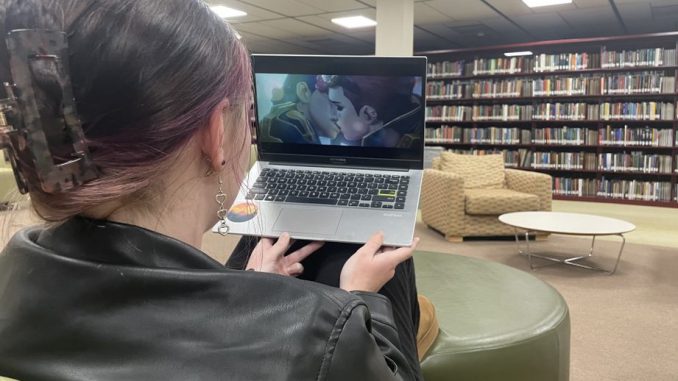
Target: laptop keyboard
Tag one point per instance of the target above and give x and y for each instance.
(331, 188)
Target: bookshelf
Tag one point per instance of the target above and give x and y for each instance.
(598, 114)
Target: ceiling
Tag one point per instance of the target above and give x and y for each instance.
(303, 26)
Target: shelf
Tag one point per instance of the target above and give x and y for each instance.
(553, 121)
(602, 148)
(666, 204)
(548, 98)
(559, 72)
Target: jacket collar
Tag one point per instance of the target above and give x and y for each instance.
(121, 244)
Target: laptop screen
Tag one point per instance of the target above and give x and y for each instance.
(363, 111)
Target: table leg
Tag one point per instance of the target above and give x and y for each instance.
(572, 261)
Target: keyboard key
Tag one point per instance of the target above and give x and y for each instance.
(399, 205)
(334, 195)
(313, 194)
(355, 197)
(366, 197)
(387, 206)
(402, 187)
(345, 196)
(270, 198)
(260, 197)
(383, 198)
(353, 203)
(324, 195)
(279, 198)
(308, 200)
(402, 193)
(364, 205)
(376, 204)
(400, 199)
(343, 202)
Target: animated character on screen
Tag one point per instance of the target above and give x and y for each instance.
(375, 111)
(300, 113)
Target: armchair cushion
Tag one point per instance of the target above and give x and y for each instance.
(499, 201)
(484, 171)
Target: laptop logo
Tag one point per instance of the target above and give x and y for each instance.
(338, 160)
(392, 215)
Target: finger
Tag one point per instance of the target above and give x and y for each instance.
(404, 253)
(266, 243)
(302, 253)
(281, 246)
(373, 244)
(295, 269)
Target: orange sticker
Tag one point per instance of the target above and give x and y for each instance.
(242, 212)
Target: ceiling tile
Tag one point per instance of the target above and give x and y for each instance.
(593, 21)
(424, 14)
(294, 27)
(472, 10)
(285, 7)
(591, 4)
(335, 5)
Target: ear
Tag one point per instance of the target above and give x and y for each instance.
(212, 137)
(368, 114)
(303, 92)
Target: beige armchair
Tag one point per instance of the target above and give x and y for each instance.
(462, 195)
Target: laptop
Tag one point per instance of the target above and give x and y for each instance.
(340, 142)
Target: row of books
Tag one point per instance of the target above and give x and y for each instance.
(564, 160)
(647, 83)
(501, 65)
(445, 69)
(633, 136)
(637, 110)
(653, 57)
(638, 57)
(565, 61)
(619, 189)
(625, 162)
(554, 111)
(635, 161)
(575, 136)
(478, 135)
(512, 158)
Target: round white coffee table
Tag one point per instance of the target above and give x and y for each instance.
(567, 224)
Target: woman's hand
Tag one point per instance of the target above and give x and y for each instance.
(373, 265)
(269, 256)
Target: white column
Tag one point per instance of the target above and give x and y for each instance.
(395, 28)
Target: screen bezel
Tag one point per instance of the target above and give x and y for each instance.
(410, 158)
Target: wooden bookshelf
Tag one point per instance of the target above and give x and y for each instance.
(649, 85)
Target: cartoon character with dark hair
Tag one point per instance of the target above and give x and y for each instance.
(300, 113)
(375, 111)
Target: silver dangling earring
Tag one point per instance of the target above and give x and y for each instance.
(223, 227)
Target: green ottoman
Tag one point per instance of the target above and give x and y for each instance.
(496, 322)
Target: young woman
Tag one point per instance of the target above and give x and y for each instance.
(115, 286)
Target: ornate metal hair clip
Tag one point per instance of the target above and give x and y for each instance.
(41, 131)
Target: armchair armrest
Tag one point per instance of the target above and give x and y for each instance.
(535, 183)
(442, 202)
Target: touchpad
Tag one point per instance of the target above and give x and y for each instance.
(309, 221)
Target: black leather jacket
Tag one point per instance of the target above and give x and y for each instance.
(95, 300)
